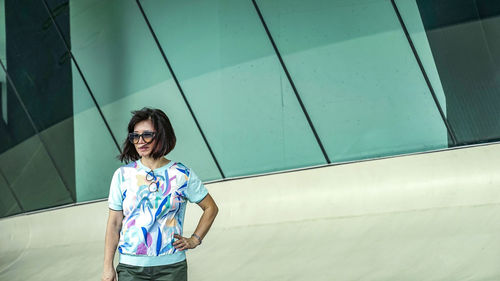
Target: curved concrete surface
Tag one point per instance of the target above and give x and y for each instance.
(432, 216)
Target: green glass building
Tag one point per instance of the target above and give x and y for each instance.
(251, 87)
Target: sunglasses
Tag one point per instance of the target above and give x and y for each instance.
(154, 184)
(147, 137)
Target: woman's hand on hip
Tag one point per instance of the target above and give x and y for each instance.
(183, 243)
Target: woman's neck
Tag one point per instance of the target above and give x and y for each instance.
(154, 163)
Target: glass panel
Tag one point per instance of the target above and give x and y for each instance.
(368, 97)
(413, 21)
(41, 168)
(235, 84)
(124, 68)
(463, 36)
(27, 170)
(33, 177)
(2, 32)
(3, 58)
(36, 167)
(8, 203)
(95, 151)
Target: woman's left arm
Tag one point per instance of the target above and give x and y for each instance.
(210, 211)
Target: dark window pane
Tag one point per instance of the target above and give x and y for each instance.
(464, 38)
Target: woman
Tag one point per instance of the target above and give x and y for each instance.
(147, 202)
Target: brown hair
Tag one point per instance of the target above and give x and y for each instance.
(165, 136)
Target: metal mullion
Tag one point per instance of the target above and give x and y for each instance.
(181, 91)
(422, 69)
(12, 191)
(66, 45)
(292, 84)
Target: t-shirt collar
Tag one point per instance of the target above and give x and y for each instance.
(166, 166)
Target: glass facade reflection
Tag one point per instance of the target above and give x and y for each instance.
(352, 64)
(73, 70)
(466, 49)
(227, 67)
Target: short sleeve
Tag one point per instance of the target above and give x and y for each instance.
(115, 198)
(195, 190)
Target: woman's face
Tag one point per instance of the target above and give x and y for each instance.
(143, 148)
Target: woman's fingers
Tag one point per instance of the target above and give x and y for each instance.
(179, 240)
(185, 247)
(182, 243)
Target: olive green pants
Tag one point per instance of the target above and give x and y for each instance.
(171, 272)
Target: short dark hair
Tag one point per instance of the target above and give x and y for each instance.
(165, 136)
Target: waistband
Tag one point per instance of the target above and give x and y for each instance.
(153, 260)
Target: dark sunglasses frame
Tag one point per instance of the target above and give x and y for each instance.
(150, 176)
(135, 137)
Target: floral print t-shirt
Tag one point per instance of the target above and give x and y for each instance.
(150, 219)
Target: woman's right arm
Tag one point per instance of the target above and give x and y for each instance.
(110, 243)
